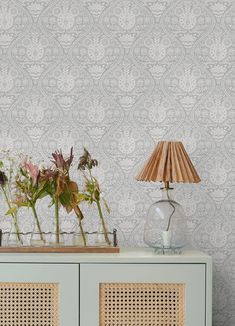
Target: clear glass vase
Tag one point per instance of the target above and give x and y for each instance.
(100, 237)
(37, 238)
(166, 226)
(79, 239)
(14, 239)
(56, 240)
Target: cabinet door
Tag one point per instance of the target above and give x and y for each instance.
(39, 294)
(142, 294)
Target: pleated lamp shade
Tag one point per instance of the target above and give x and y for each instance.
(169, 162)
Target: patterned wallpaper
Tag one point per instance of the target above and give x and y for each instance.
(117, 76)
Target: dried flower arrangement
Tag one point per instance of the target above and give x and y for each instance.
(28, 183)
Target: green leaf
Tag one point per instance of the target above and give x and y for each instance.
(41, 192)
(97, 194)
(65, 198)
(23, 204)
(49, 189)
(81, 197)
(11, 211)
(51, 203)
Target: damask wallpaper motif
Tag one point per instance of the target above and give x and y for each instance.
(116, 77)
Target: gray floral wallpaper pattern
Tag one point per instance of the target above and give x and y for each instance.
(116, 77)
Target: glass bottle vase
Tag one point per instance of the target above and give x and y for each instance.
(15, 238)
(79, 239)
(37, 238)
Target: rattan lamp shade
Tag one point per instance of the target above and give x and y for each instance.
(169, 162)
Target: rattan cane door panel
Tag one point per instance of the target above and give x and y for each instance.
(29, 304)
(103, 288)
(142, 304)
(39, 294)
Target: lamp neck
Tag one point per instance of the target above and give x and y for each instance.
(167, 186)
(166, 193)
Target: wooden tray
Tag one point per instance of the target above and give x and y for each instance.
(67, 249)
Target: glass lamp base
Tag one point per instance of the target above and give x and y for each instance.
(166, 227)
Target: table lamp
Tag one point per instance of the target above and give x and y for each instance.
(166, 226)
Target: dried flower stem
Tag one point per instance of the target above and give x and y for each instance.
(100, 213)
(97, 201)
(103, 223)
(81, 228)
(14, 217)
(37, 220)
(86, 163)
(57, 220)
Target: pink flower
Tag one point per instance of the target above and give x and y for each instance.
(47, 174)
(31, 169)
(60, 162)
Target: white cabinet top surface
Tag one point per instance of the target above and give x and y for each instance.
(126, 255)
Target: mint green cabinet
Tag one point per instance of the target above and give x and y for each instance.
(133, 288)
(39, 294)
